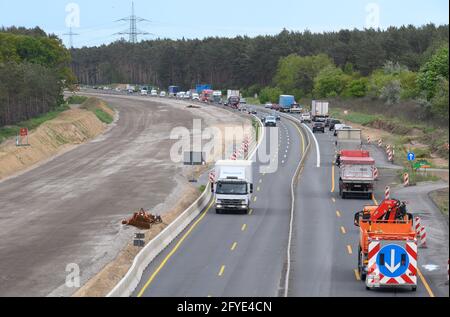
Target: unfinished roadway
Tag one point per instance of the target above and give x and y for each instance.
(69, 210)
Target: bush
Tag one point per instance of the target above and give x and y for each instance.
(391, 92)
(270, 94)
(356, 88)
(436, 67)
(330, 82)
(76, 100)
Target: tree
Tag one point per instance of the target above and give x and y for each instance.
(330, 82)
(431, 72)
(270, 94)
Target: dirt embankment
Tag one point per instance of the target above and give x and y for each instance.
(54, 137)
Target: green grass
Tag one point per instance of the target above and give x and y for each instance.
(10, 131)
(253, 101)
(103, 116)
(441, 199)
(356, 117)
(76, 100)
(202, 188)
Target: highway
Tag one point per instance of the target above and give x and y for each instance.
(234, 255)
(231, 255)
(69, 210)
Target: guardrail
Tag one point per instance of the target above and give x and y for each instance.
(130, 281)
(128, 284)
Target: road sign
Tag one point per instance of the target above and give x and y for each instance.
(393, 260)
(23, 132)
(422, 164)
(411, 156)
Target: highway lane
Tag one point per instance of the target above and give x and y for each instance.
(234, 255)
(326, 241)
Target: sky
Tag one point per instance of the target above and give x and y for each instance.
(95, 21)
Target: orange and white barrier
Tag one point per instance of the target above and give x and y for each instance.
(423, 237)
(375, 173)
(380, 143)
(406, 179)
(387, 193)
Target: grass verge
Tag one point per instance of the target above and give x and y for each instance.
(13, 130)
(440, 198)
(76, 100)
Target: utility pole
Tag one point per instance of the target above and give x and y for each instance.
(71, 34)
(133, 31)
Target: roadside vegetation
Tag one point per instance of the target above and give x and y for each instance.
(441, 198)
(34, 70)
(103, 112)
(13, 130)
(76, 100)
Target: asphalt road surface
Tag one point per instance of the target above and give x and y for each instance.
(234, 255)
(326, 241)
(69, 210)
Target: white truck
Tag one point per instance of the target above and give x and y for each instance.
(233, 93)
(319, 110)
(233, 186)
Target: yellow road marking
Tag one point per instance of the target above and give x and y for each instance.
(254, 199)
(358, 278)
(424, 281)
(338, 213)
(177, 246)
(349, 249)
(244, 226)
(333, 199)
(222, 269)
(260, 181)
(332, 179)
(250, 211)
(343, 230)
(303, 138)
(258, 189)
(233, 247)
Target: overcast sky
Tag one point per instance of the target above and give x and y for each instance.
(202, 18)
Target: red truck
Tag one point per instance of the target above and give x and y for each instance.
(356, 173)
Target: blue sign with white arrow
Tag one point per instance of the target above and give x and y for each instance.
(411, 156)
(393, 260)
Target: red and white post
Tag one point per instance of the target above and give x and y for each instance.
(380, 143)
(423, 237)
(369, 141)
(387, 193)
(418, 226)
(406, 179)
(375, 173)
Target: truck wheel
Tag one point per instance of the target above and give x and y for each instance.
(218, 211)
(367, 288)
(414, 288)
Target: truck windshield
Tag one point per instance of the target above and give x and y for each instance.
(231, 188)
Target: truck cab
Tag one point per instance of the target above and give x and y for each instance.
(233, 187)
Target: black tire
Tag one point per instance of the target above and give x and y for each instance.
(218, 211)
(414, 288)
(367, 288)
(362, 274)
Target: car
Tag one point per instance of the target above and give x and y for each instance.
(268, 105)
(270, 121)
(195, 97)
(154, 93)
(252, 111)
(305, 117)
(162, 94)
(318, 126)
(333, 122)
(338, 127)
(275, 107)
(144, 92)
(243, 101)
(278, 117)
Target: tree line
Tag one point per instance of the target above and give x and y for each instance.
(242, 62)
(34, 69)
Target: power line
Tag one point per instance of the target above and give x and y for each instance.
(71, 35)
(133, 31)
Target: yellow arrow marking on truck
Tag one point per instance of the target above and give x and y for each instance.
(177, 246)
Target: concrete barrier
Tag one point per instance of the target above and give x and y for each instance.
(130, 281)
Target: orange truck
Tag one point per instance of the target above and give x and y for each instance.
(387, 254)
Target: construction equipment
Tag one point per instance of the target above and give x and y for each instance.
(142, 220)
(387, 254)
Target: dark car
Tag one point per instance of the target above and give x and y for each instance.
(327, 122)
(276, 107)
(333, 122)
(319, 126)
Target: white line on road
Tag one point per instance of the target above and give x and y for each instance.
(317, 144)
